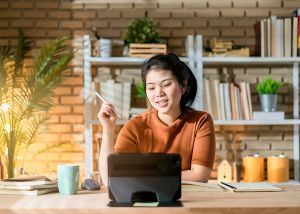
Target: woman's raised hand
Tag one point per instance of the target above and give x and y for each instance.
(107, 115)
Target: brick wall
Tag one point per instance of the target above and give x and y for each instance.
(227, 19)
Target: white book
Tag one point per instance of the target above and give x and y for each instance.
(227, 100)
(274, 51)
(207, 95)
(249, 187)
(222, 102)
(118, 97)
(261, 115)
(249, 99)
(27, 192)
(28, 187)
(126, 99)
(279, 38)
(27, 181)
(287, 37)
(269, 38)
(262, 38)
(295, 37)
(216, 99)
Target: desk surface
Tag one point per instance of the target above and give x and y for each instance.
(287, 201)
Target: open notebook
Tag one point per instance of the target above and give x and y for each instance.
(249, 187)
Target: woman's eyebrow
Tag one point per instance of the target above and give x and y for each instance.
(152, 83)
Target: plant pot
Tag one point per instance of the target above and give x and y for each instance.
(268, 102)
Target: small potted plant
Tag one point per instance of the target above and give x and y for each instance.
(142, 35)
(268, 90)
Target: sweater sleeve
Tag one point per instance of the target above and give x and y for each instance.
(205, 143)
(128, 137)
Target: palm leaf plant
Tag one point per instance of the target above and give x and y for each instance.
(26, 93)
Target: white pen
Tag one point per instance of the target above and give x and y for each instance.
(105, 102)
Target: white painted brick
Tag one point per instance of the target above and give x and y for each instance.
(232, 13)
(257, 12)
(183, 14)
(192, 4)
(203, 13)
(243, 4)
(259, 71)
(219, 22)
(270, 136)
(269, 3)
(284, 71)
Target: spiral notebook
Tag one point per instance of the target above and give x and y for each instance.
(249, 187)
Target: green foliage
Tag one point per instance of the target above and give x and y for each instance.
(26, 93)
(268, 86)
(140, 89)
(142, 31)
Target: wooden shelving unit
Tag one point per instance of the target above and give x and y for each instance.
(196, 62)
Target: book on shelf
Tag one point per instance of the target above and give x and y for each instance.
(27, 192)
(296, 14)
(261, 115)
(249, 187)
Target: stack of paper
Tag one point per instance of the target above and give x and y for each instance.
(34, 185)
(192, 186)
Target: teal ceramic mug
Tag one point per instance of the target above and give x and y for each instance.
(68, 179)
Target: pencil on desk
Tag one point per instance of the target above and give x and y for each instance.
(105, 102)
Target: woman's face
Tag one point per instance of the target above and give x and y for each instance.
(163, 91)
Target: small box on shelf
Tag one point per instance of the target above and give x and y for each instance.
(274, 115)
(146, 50)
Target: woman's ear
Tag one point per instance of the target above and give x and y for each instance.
(183, 87)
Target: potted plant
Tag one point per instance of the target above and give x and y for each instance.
(268, 90)
(143, 31)
(26, 93)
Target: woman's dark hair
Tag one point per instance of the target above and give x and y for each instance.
(179, 69)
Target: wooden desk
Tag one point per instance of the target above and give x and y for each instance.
(287, 201)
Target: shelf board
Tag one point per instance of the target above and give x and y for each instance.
(258, 122)
(250, 60)
(121, 60)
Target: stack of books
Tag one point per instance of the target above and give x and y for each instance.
(34, 185)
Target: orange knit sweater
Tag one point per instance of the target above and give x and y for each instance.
(191, 135)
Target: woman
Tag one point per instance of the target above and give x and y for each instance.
(169, 126)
